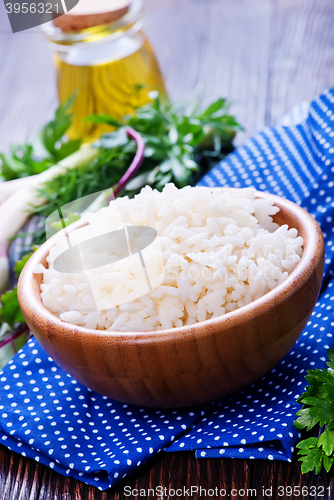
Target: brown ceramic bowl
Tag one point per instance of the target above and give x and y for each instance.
(192, 364)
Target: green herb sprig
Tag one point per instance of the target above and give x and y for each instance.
(48, 148)
(101, 173)
(12, 321)
(175, 135)
(318, 409)
(10, 312)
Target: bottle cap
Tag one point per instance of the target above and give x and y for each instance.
(90, 13)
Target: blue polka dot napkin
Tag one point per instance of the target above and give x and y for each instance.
(50, 417)
(296, 162)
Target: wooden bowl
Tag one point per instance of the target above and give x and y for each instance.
(193, 364)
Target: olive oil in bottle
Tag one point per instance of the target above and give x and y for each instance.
(110, 68)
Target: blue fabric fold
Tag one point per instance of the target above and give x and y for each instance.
(48, 416)
(295, 162)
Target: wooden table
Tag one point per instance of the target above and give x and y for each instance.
(266, 55)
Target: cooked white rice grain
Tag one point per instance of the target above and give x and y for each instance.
(219, 251)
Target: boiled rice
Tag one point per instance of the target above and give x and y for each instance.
(220, 251)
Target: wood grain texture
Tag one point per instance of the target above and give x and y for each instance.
(258, 479)
(224, 46)
(27, 83)
(267, 55)
(302, 54)
(194, 364)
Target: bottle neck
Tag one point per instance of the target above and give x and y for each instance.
(129, 24)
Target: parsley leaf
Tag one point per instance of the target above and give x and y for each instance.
(48, 148)
(10, 311)
(318, 408)
(21, 263)
(311, 458)
(177, 139)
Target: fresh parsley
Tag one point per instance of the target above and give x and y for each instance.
(98, 174)
(10, 312)
(318, 409)
(48, 148)
(179, 139)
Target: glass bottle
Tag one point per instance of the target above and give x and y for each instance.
(110, 68)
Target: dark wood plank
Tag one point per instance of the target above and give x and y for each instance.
(173, 472)
(4, 468)
(9, 481)
(282, 479)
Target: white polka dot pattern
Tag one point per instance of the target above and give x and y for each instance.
(48, 416)
(296, 162)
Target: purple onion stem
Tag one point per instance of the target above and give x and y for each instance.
(23, 329)
(136, 162)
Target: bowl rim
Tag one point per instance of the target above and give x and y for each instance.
(311, 254)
